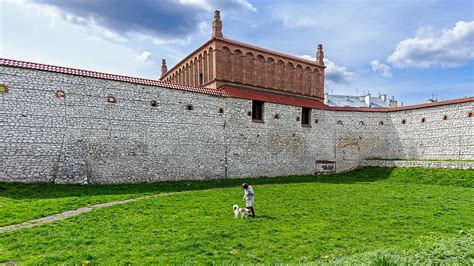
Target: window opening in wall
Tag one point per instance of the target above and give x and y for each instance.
(3, 88)
(221, 110)
(60, 94)
(189, 107)
(316, 121)
(361, 123)
(339, 122)
(306, 116)
(257, 111)
(111, 99)
(153, 103)
(249, 113)
(423, 120)
(470, 114)
(445, 117)
(201, 79)
(276, 116)
(404, 121)
(381, 123)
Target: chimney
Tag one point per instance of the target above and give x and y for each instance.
(217, 25)
(320, 55)
(164, 68)
(393, 103)
(367, 100)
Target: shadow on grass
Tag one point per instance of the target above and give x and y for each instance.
(45, 190)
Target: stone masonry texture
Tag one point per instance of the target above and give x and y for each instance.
(80, 137)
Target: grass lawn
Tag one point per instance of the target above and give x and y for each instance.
(370, 214)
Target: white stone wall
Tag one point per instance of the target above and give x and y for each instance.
(82, 138)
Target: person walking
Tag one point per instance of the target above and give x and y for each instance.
(248, 197)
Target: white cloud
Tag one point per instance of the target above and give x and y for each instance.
(381, 68)
(144, 57)
(210, 4)
(448, 48)
(333, 72)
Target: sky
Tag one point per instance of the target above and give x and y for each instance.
(412, 50)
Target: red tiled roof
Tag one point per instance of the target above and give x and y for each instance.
(93, 74)
(225, 91)
(272, 97)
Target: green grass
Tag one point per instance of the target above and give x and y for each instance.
(418, 160)
(374, 215)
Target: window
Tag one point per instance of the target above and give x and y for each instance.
(381, 123)
(470, 114)
(153, 103)
(306, 116)
(276, 116)
(339, 122)
(362, 123)
(257, 111)
(201, 79)
(404, 121)
(316, 121)
(221, 110)
(423, 120)
(445, 117)
(189, 107)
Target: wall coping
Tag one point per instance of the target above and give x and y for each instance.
(227, 91)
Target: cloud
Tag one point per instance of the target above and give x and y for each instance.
(448, 48)
(381, 68)
(163, 19)
(144, 57)
(333, 72)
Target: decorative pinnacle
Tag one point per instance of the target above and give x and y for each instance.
(164, 68)
(217, 25)
(320, 55)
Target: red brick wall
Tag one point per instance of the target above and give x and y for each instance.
(227, 63)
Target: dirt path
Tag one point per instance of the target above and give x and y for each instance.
(71, 213)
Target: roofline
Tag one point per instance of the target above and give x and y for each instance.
(101, 75)
(287, 56)
(213, 92)
(187, 57)
(402, 108)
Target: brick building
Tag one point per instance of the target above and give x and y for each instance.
(222, 62)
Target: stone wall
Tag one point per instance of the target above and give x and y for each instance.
(66, 129)
(425, 164)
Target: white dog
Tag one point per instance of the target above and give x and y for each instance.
(241, 211)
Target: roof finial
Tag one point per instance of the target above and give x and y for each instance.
(164, 68)
(217, 25)
(320, 55)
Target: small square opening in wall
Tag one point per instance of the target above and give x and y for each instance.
(3, 88)
(404, 121)
(306, 116)
(445, 117)
(257, 111)
(316, 121)
(339, 122)
(276, 116)
(423, 120)
(153, 103)
(361, 123)
(471, 114)
(189, 107)
(60, 94)
(381, 123)
(111, 99)
(221, 110)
